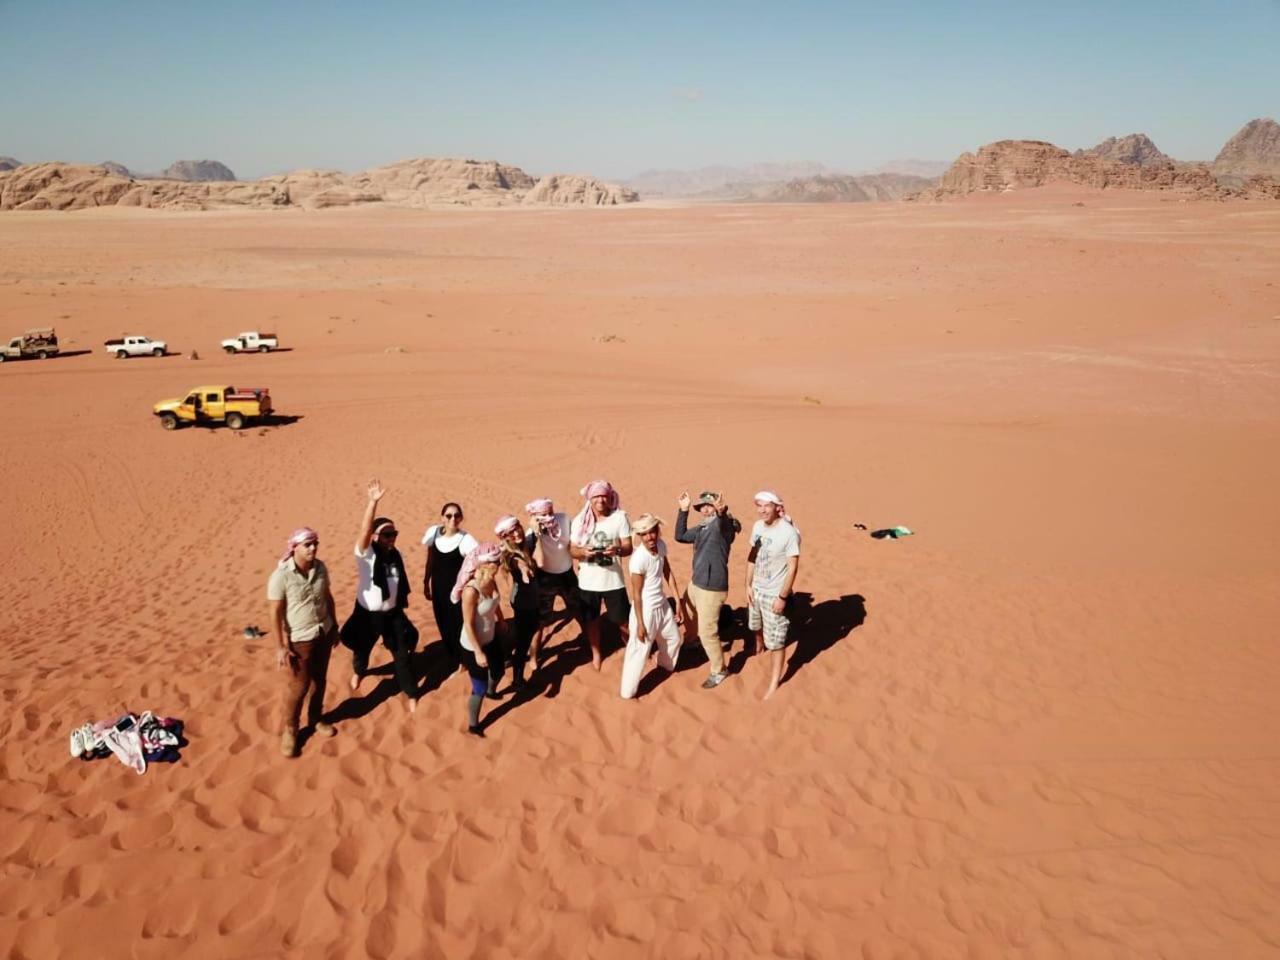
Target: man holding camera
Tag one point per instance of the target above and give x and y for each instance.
(712, 538)
(598, 538)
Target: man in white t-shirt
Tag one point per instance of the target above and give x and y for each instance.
(598, 538)
(654, 617)
(555, 567)
(772, 566)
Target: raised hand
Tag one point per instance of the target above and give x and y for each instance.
(721, 507)
(683, 501)
(376, 490)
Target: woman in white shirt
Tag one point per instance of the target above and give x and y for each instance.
(476, 592)
(382, 593)
(447, 544)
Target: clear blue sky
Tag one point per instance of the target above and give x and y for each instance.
(612, 89)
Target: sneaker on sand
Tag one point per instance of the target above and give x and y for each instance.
(289, 743)
(714, 680)
(326, 729)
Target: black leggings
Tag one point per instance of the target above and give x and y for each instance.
(522, 631)
(448, 621)
(364, 628)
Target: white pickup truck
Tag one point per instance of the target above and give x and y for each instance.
(130, 346)
(251, 341)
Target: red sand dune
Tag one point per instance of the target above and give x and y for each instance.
(1052, 734)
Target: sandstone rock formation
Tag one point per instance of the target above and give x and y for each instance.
(60, 186)
(570, 189)
(422, 182)
(1135, 150)
(426, 181)
(118, 169)
(1254, 151)
(8, 163)
(1016, 164)
(200, 171)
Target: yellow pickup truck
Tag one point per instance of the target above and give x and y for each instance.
(237, 408)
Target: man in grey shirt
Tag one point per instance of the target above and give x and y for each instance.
(712, 539)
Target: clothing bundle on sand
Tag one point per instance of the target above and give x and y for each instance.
(134, 740)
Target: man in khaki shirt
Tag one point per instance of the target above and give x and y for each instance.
(305, 630)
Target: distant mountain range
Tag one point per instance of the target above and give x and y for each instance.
(1248, 165)
(756, 180)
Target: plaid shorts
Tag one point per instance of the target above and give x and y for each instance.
(760, 616)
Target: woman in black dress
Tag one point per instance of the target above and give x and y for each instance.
(447, 545)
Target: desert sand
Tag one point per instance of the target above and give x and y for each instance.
(1045, 726)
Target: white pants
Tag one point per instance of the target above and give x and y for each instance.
(660, 625)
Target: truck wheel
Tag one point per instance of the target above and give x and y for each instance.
(42, 354)
(264, 349)
(235, 421)
(229, 349)
(122, 354)
(168, 421)
(157, 352)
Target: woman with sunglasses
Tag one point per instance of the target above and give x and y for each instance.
(381, 596)
(447, 544)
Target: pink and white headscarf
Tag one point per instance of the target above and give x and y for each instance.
(487, 552)
(543, 512)
(505, 522)
(587, 518)
(298, 538)
(771, 496)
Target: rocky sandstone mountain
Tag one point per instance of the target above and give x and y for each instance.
(198, 171)
(575, 190)
(8, 163)
(1136, 150)
(1015, 164)
(119, 169)
(423, 182)
(836, 188)
(1253, 152)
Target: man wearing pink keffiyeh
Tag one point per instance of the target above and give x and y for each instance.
(555, 564)
(598, 538)
(305, 630)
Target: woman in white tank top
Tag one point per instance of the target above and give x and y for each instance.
(476, 591)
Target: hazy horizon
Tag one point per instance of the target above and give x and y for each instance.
(573, 88)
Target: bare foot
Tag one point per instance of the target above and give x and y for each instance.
(597, 661)
(355, 682)
(413, 706)
(773, 688)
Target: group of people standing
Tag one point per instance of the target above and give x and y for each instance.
(623, 575)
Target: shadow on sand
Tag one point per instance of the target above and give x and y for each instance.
(815, 628)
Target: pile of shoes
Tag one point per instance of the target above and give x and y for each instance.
(134, 740)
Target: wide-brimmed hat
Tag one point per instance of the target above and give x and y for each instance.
(644, 523)
(707, 498)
